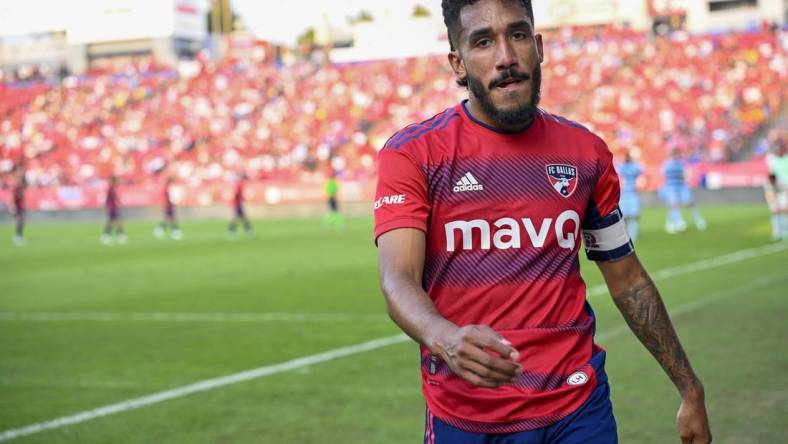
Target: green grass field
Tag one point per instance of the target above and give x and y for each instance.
(730, 311)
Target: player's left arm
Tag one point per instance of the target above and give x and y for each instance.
(638, 299)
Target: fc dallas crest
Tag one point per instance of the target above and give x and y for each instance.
(563, 178)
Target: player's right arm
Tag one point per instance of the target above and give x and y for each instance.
(474, 352)
(465, 349)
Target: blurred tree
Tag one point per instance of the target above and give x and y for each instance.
(420, 11)
(308, 37)
(222, 19)
(362, 17)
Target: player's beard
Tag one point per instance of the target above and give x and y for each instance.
(517, 116)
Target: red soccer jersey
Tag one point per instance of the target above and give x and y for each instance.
(502, 214)
(19, 198)
(112, 198)
(169, 206)
(238, 194)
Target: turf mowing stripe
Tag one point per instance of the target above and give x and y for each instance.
(705, 264)
(194, 317)
(330, 355)
(702, 302)
(202, 386)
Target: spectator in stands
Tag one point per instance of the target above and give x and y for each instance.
(170, 221)
(114, 219)
(676, 194)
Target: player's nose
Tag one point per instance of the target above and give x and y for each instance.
(505, 55)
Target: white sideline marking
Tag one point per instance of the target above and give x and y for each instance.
(705, 264)
(330, 355)
(194, 317)
(202, 386)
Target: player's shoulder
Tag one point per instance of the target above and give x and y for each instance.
(633, 167)
(673, 164)
(561, 123)
(416, 138)
(574, 130)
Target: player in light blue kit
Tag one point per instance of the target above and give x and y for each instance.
(777, 190)
(677, 194)
(629, 171)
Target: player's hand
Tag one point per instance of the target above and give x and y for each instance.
(478, 354)
(693, 422)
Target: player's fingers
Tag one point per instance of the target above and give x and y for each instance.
(506, 367)
(488, 338)
(505, 349)
(477, 380)
(488, 373)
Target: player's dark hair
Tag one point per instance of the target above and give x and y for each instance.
(451, 17)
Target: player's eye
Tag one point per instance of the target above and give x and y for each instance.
(519, 35)
(483, 43)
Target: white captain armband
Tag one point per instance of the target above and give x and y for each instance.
(609, 243)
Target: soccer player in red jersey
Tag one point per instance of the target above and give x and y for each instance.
(114, 220)
(479, 213)
(169, 220)
(239, 215)
(19, 208)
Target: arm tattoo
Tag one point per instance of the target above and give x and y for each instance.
(644, 312)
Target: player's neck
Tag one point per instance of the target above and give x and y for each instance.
(478, 114)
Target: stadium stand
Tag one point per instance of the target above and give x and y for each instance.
(707, 95)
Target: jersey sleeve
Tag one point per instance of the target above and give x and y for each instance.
(401, 196)
(604, 232)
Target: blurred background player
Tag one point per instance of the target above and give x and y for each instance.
(334, 217)
(778, 204)
(238, 211)
(629, 171)
(169, 220)
(776, 189)
(19, 208)
(676, 194)
(114, 219)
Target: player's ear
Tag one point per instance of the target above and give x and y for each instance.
(458, 66)
(539, 47)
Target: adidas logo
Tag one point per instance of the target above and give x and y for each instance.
(468, 183)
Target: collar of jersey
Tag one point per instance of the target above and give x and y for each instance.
(467, 113)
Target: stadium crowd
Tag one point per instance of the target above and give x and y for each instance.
(703, 94)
